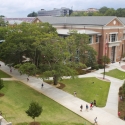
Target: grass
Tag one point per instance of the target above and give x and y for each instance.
(116, 73)
(87, 90)
(4, 75)
(16, 101)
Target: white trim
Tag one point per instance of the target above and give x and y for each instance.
(113, 33)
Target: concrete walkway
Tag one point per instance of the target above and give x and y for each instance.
(106, 115)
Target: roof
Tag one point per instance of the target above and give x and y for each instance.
(66, 32)
(81, 20)
(122, 19)
(19, 20)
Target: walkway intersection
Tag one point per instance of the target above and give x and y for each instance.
(106, 115)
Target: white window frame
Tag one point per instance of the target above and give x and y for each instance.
(97, 39)
(90, 38)
(111, 35)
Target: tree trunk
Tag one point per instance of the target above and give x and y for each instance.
(55, 79)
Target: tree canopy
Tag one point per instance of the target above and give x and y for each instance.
(103, 11)
(33, 14)
(37, 48)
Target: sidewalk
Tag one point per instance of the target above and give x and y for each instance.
(105, 117)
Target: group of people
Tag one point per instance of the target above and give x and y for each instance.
(92, 104)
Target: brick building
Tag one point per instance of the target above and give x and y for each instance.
(106, 33)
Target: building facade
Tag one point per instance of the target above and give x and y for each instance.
(106, 33)
(55, 12)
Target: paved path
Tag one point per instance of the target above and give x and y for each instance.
(106, 115)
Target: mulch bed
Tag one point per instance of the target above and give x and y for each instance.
(1, 94)
(59, 85)
(34, 123)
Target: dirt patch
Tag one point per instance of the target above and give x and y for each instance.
(1, 94)
(107, 80)
(59, 85)
(34, 123)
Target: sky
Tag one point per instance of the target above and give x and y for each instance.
(21, 8)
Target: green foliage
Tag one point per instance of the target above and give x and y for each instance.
(103, 11)
(1, 84)
(34, 110)
(105, 59)
(27, 68)
(33, 14)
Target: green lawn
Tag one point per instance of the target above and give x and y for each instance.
(88, 91)
(116, 73)
(17, 99)
(4, 75)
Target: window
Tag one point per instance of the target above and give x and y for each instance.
(97, 39)
(90, 39)
(113, 37)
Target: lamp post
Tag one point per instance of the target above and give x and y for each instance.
(105, 56)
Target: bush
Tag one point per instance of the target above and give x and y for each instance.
(96, 66)
(101, 66)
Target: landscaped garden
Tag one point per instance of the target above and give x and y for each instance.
(88, 89)
(4, 75)
(116, 73)
(16, 100)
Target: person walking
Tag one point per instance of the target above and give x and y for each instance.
(87, 107)
(95, 121)
(81, 107)
(119, 113)
(42, 85)
(75, 93)
(27, 79)
(94, 102)
(91, 106)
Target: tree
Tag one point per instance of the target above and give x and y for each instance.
(33, 14)
(103, 10)
(105, 59)
(110, 12)
(1, 84)
(27, 68)
(34, 110)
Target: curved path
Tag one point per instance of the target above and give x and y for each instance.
(106, 116)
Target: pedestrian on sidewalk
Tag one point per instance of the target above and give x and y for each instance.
(87, 107)
(94, 102)
(75, 93)
(10, 70)
(81, 107)
(91, 106)
(119, 113)
(95, 121)
(119, 62)
(42, 85)
(27, 79)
